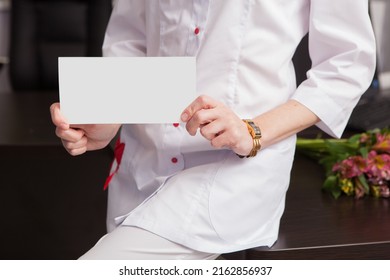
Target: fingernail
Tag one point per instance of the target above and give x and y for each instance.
(184, 117)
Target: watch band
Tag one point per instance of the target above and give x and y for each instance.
(255, 132)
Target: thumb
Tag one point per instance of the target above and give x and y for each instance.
(57, 118)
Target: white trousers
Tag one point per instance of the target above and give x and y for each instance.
(132, 243)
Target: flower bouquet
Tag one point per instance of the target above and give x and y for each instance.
(357, 166)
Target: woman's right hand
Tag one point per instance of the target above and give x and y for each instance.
(77, 139)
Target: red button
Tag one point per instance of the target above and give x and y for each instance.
(174, 160)
(176, 124)
(196, 31)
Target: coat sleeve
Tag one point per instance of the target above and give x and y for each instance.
(125, 34)
(342, 49)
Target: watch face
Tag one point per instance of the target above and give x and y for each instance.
(257, 131)
(254, 129)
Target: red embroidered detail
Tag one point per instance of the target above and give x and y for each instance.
(118, 151)
(108, 180)
(118, 154)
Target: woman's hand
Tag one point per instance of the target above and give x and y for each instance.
(81, 138)
(218, 124)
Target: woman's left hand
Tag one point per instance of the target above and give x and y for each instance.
(218, 124)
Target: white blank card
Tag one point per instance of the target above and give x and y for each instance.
(98, 90)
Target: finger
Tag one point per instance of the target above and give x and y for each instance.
(57, 118)
(76, 152)
(200, 119)
(212, 130)
(70, 135)
(218, 142)
(75, 145)
(202, 102)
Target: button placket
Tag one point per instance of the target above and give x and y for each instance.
(173, 157)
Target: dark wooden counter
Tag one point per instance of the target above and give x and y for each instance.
(316, 226)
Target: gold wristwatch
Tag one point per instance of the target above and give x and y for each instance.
(255, 132)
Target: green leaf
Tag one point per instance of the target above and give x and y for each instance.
(341, 148)
(330, 183)
(364, 152)
(355, 138)
(336, 193)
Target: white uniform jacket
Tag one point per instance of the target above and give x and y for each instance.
(178, 186)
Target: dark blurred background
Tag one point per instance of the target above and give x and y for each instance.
(53, 205)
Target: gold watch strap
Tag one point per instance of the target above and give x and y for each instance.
(255, 132)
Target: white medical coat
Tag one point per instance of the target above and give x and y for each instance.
(177, 185)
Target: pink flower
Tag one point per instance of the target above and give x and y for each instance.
(383, 143)
(385, 191)
(385, 174)
(364, 168)
(378, 167)
(351, 167)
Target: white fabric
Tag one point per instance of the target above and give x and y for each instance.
(210, 200)
(132, 243)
